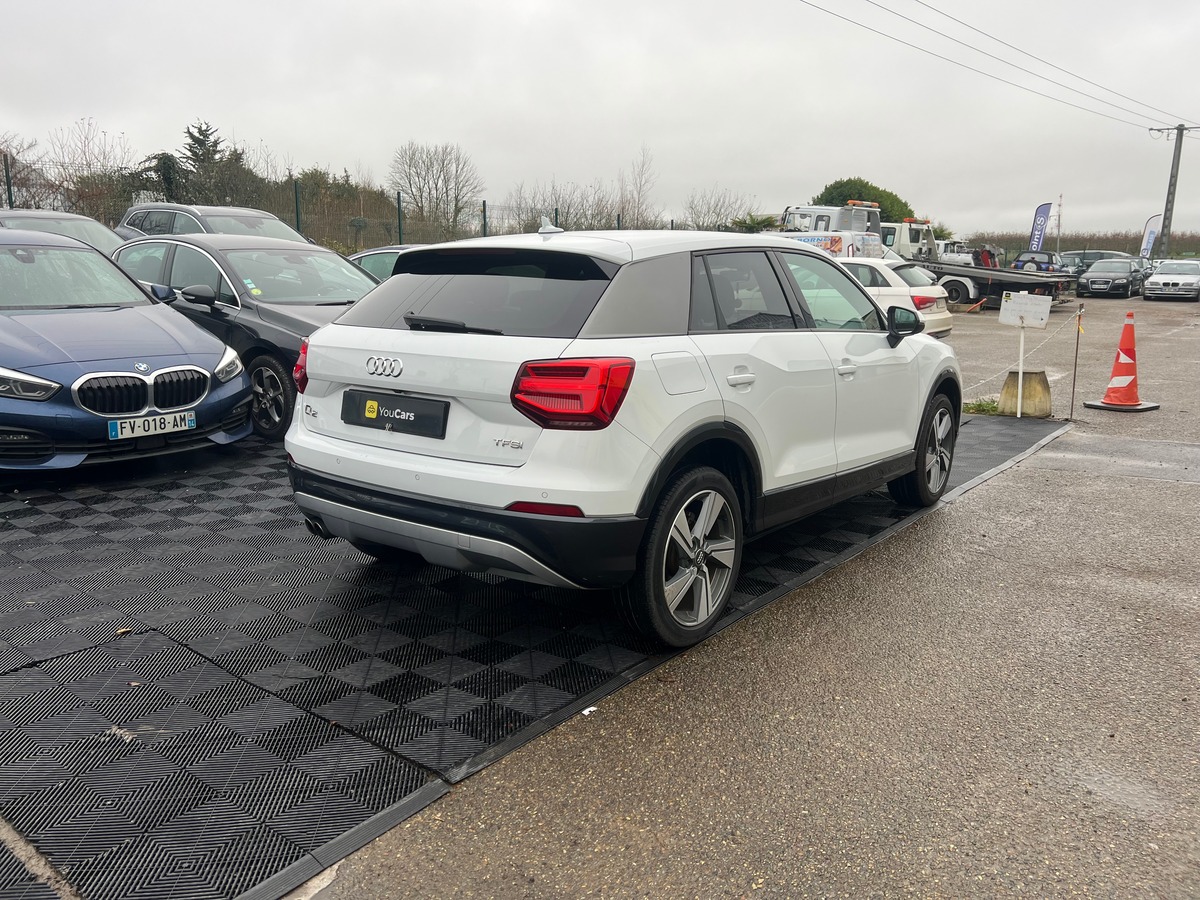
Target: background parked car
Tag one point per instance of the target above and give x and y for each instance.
(1174, 279)
(261, 296)
(904, 284)
(87, 230)
(93, 368)
(1038, 261)
(1120, 277)
(176, 218)
(379, 260)
(1079, 261)
(614, 410)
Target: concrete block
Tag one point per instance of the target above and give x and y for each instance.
(1035, 395)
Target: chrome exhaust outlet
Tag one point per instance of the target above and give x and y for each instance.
(317, 527)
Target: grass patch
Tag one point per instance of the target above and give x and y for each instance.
(988, 406)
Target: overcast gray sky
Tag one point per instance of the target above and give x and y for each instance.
(773, 99)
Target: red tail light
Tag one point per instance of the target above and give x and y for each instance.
(923, 302)
(300, 373)
(572, 393)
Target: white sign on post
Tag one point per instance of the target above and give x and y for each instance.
(1022, 310)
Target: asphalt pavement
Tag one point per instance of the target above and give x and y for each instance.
(1001, 700)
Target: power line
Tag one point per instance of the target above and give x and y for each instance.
(962, 65)
(1012, 64)
(1048, 63)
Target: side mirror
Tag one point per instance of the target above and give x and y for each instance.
(162, 293)
(901, 323)
(199, 293)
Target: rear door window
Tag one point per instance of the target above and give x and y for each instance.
(528, 293)
(748, 294)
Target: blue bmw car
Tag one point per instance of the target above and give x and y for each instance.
(93, 368)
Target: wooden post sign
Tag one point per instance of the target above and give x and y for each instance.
(1022, 310)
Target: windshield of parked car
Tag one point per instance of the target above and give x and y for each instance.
(529, 293)
(87, 230)
(914, 276)
(62, 278)
(1178, 268)
(259, 226)
(1111, 266)
(299, 276)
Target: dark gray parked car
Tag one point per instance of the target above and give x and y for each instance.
(176, 218)
(260, 295)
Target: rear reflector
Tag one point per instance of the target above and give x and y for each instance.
(546, 509)
(572, 393)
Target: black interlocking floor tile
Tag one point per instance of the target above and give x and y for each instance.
(197, 694)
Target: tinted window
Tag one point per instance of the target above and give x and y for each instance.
(135, 221)
(868, 276)
(747, 292)
(185, 224)
(144, 262)
(1112, 266)
(703, 316)
(191, 267)
(49, 277)
(914, 276)
(379, 264)
(158, 221)
(832, 297)
(531, 293)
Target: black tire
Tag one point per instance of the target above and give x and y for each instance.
(925, 485)
(274, 397)
(957, 292)
(689, 561)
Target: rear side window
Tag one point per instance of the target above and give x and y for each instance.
(526, 293)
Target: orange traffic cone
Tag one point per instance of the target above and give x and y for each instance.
(1122, 393)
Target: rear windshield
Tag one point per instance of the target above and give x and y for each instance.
(913, 276)
(527, 293)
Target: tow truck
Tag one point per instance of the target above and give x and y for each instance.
(971, 276)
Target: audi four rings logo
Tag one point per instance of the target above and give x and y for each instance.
(384, 365)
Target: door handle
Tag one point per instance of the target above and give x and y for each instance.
(847, 369)
(741, 378)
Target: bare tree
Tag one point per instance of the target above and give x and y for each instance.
(438, 184)
(713, 209)
(573, 206)
(634, 187)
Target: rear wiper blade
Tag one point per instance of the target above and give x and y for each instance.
(334, 303)
(425, 323)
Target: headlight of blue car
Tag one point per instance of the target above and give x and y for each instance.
(229, 367)
(20, 386)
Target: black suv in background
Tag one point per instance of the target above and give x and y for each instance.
(176, 218)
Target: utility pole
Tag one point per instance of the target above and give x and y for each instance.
(1179, 130)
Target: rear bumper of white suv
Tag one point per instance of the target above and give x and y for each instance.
(561, 551)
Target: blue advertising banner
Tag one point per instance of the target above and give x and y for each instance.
(1149, 233)
(1041, 218)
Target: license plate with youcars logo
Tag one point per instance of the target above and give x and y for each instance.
(394, 412)
(119, 429)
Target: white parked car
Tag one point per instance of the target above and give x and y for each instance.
(1174, 279)
(614, 410)
(905, 284)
